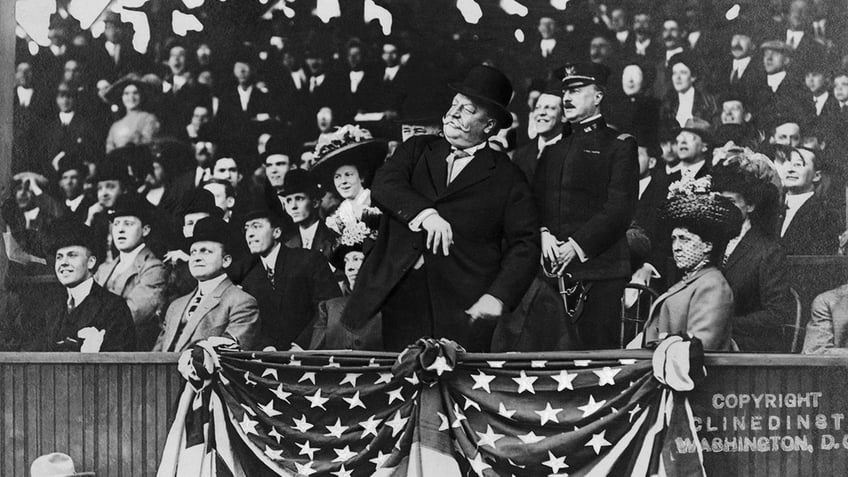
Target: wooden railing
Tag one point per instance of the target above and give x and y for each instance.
(111, 412)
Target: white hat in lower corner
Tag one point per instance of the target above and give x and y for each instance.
(56, 464)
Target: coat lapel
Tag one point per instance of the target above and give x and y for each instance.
(741, 249)
(435, 157)
(179, 306)
(479, 169)
(280, 266)
(206, 305)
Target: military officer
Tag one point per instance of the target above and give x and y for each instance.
(586, 188)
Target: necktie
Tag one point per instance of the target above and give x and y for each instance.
(71, 304)
(195, 302)
(452, 157)
(313, 83)
(270, 272)
(735, 76)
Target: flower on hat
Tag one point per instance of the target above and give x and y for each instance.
(340, 137)
(689, 187)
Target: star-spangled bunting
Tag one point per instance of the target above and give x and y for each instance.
(352, 414)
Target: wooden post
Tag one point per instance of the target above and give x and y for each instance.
(7, 90)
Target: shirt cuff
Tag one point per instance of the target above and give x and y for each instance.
(415, 223)
(580, 253)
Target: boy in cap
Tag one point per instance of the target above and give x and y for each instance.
(91, 319)
(135, 274)
(301, 197)
(693, 142)
(216, 307)
(287, 282)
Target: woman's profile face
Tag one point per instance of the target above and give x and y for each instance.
(131, 97)
(348, 182)
(689, 249)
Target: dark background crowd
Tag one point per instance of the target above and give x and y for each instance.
(234, 109)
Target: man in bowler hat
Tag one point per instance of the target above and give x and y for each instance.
(460, 240)
(586, 189)
(91, 319)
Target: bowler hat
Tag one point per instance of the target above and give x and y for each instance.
(56, 464)
(582, 74)
(67, 232)
(211, 229)
(201, 201)
(491, 87)
(132, 206)
(700, 127)
(299, 181)
(113, 168)
(72, 162)
(261, 210)
(553, 87)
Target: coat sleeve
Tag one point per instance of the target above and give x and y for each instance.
(147, 297)
(160, 341)
(392, 188)
(710, 310)
(820, 338)
(607, 227)
(522, 246)
(324, 285)
(775, 297)
(244, 321)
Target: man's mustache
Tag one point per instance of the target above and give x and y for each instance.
(455, 125)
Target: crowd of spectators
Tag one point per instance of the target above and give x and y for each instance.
(162, 153)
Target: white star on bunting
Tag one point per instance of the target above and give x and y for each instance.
(302, 424)
(538, 363)
(276, 435)
(488, 438)
(337, 429)
(305, 469)
(458, 416)
(633, 412)
(439, 365)
(555, 463)
(248, 425)
(597, 442)
(591, 406)
(381, 459)
(354, 402)
(470, 403)
(445, 425)
(306, 449)
(564, 380)
(350, 378)
(482, 380)
(582, 362)
(294, 362)
(273, 454)
(247, 379)
(503, 411)
(269, 410)
(281, 394)
(548, 414)
(270, 372)
(342, 472)
(413, 380)
(531, 438)
(395, 395)
(331, 363)
(344, 455)
(525, 383)
(310, 376)
(397, 423)
(478, 464)
(384, 378)
(370, 426)
(496, 364)
(316, 400)
(606, 375)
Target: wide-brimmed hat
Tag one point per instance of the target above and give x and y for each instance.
(491, 87)
(695, 206)
(116, 90)
(56, 464)
(349, 145)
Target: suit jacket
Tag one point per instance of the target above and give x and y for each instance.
(240, 133)
(322, 243)
(302, 279)
(100, 309)
(746, 84)
(792, 99)
(495, 231)
(129, 61)
(704, 106)
(827, 330)
(813, 230)
(757, 274)
(143, 288)
(179, 104)
(526, 158)
(79, 136)
(586, 188)
(700, 305)
(227, 309)
(538, 66)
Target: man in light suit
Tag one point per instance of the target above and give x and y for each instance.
(216, 307)
(459, 243)
(827, 330)
(136, 275)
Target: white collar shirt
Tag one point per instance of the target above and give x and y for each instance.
(66, 118)
(740, 65)
(820, 100)
(547, 46)
(460, 162)
(206, 287)
(81, 291)
(244, 96)
(643, 185)
(642, 46)
(686, 105)
(271, 260)
(74, 204)
(542, 143)
(24, 96)
(307, 235)
(670, 53)
(390, 73)
(775, 79)
(126, 259)
(355, 80)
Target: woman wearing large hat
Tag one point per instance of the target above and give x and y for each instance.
(346, 162)
(701, 303)
(131, 95)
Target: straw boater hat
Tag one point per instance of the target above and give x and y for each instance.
(348, 145)
(694, 206)
(56, 464)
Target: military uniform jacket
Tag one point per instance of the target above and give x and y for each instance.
(586, 187)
